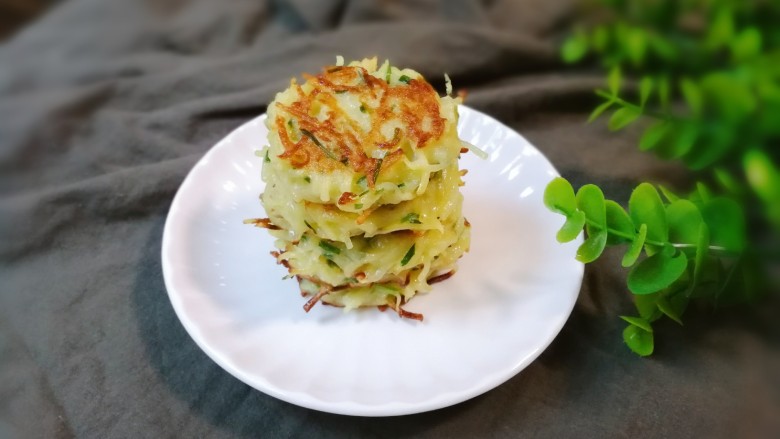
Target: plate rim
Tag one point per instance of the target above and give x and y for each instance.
(350, 408)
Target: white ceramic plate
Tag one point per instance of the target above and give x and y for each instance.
(509, 299)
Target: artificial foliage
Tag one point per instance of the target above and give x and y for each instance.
(701, 78)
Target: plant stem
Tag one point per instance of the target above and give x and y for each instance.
(713, 248)
(638, 108)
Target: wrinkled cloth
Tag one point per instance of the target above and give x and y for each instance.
(105, 105)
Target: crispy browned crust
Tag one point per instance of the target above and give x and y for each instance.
(441, 277)
(325, 289)
(264, 223)
(418, 101)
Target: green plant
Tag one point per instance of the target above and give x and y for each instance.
(707, 90)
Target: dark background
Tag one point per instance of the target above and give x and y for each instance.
(106, 104)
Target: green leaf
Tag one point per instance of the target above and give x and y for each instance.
(656, 273)
(727, 181)
(669, 309)
(572, 227)
(559, 196)
(638, 321)
(683, 140)
(693, 95)
(592, 248)
(600, 110)
(614, 80)
(665, 48)
(703, 191)
(731, 94)
(726, 221)
(619, 221)
(746, 45)
(645, 207)
(574, 48)
(762, 175)
(405, 79)
(635, 249)
(647, 307)
(636, 45)
(645, 88)
(653, 135)
(600, 38)
(622, 117)
(590, 200)
(721, 31)
(638, 340)
(764, 178)
(664, 92)
(684, 220)
(668, 194)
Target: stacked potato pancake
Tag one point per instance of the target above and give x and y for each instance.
(362, 185)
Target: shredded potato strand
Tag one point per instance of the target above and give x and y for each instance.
(362, 186)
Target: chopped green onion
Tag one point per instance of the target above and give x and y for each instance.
(405, 79)
(388, 287)
(329, 248)
(359, 206)
(362, 108)
(387, 76)
(350, 280)
(361, 182)
(267, 159)
(408, 256)
(309, 226)
(376, 171)
(411, 218)
(327, 152)
(400, 185)
(338, 92)
(396, 135)
(289, 123)
(331, 263)
(307, 179)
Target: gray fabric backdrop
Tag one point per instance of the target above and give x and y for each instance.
(106, 104)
